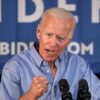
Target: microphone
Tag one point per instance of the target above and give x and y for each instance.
(64, 88)
(83, 90)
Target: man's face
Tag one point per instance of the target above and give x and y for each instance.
(53, 36)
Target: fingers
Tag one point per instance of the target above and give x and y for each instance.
(41, 79)
(41, 84)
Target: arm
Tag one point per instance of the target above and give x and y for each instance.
(27, 96)
(9, 87)
(38, 88)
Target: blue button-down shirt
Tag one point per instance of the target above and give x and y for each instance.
(19, 72)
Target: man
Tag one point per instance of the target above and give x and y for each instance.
(34, 74)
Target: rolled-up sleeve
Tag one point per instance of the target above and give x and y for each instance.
(10, 83)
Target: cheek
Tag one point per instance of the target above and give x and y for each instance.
(42, 39)
(44, 43)
(61, 47)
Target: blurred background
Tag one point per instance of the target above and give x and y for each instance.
(19, 20)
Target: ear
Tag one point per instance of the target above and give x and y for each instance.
(68, 42)
(69, 38)
(38, 32)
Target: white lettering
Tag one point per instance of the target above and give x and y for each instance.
(13, 48)
(74, 48)
(16, 47)
(95, 11)
(4, 48)
(23, 18)
(31, 44)
(21, 46)
(88, 48)
(70, 7)
(77, 48)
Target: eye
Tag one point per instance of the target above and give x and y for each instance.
(60, 38)
(49, 34)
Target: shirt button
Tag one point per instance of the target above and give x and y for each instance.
(45, 63)
(48, 71)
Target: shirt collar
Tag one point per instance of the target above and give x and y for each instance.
(65, 52)
(38, 59)
(35, 55)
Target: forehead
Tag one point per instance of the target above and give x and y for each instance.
(57, 23)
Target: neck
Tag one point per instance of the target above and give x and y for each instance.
(52, 68)
(51, 64)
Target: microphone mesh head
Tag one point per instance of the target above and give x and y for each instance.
(63, 85)
(83, 84)
(84, 93)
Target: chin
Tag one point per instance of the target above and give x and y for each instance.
(49, 59)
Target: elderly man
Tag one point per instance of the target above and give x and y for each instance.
(34, 74)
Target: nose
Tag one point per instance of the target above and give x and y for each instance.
(53, 42)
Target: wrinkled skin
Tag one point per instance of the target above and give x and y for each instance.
(53, 36)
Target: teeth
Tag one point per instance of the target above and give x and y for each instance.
(50, 51)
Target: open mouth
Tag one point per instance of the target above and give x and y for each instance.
(50, 51)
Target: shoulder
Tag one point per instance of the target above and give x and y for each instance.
(75, 58)
(14, 62)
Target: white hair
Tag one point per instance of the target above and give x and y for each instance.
(58, 12)
(61, 13)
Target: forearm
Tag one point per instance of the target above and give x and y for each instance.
(28, 96)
